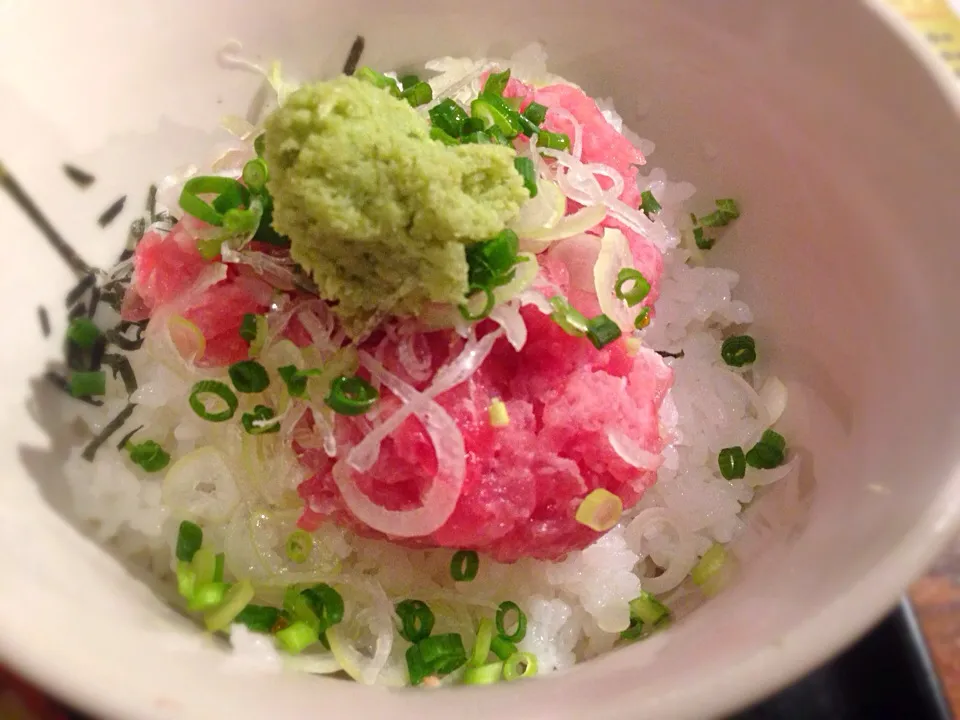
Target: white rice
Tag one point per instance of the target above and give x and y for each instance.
(576, 608)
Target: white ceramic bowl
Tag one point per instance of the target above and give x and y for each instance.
(846, 153)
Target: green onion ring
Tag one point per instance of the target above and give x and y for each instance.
(219, 389)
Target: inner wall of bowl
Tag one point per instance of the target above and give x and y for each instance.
(839, 247)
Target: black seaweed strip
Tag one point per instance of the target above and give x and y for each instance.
(353, 57)
(29, 207)
(90, 451)
(74, 356)
(125, 255)
(152, 202)
(96, 353)
(665, 354)
(44, 321)
(110, 214)
(126, 438)
(76, 311)
(60, 382)
(82, 178)
(135, 234)
(121, 368)
(79, 289)
(117, 336)
(94, 301)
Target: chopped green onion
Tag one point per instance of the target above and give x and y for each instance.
(186, 579)
(248, 327)
(496, 136)
(259, 145)
(732, 462)
(230, 195)
(521, 622)
(218, 562)
(705, 572)
(639, 290)
(490, 262)
(600, 510)
(298, 546)
(768, 453)
(519, 665)
(649, 204)
(739, 350)
(290, 596)
(189, 540)
(498, 413)
(207, 596)
(442, 654)
(464, 565)
(419, 94)
(259, 618)
(552, 140)
(524, 166)
(441, 136)
(149, 455)
(702, 242)
(476, 138)
(236, 599)
(501, 647)
(416, 620)
(568, 317)
(351, 396)
(449, 117)
(483, 674)
(493, 111)
(647, 609)
(84, 384)
(714, 219)
(489, 301)
(83, 332)
(496, 83)
(642, 319)
(602, 331)
(256, 422)
(527, 127)
(728, 208)
(297, 637)
(377, 79)
(473, 125)
(249, 376)
(295, 380)
(326, 603)
(535, 113)
(416, 667)
(481, 646)
(408, 81)
(201, 393)
(205, 564)
(255, 175)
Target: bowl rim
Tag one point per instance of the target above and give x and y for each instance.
(839, 623)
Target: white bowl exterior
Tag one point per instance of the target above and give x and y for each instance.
(846, 155)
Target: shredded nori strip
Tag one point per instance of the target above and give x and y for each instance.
(353, 57)
(94, 301)
(110, 214)
(82, 178)
(44, 321)
(137, 228)
(80, 288)
(85, 359)
(90, 451)
(152, 202)
(96, 353)
(29, 207)
(125, 255)
(121, 369)
(663, 353)
(118, 337)
(126, 438)
(60, 382)
(76, 311)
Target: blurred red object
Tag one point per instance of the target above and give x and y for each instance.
(20, 701)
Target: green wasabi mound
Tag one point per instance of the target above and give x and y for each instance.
(376, 211)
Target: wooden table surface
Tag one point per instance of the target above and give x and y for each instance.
(936, 598)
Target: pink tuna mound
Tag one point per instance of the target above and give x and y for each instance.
(523, 482)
